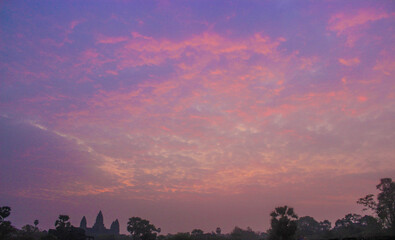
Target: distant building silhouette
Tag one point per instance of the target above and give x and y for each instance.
(99, 228)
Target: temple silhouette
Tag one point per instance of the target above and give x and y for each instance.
(99, 228)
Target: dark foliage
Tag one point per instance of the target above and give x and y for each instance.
(141, 229)
(384, 207)
(5, 226)
(284, 223)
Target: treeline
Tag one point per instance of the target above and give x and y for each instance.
(285, 225)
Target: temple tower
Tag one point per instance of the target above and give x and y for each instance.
(83, 223)
(115, 227)
(99, 228)
(99, 224)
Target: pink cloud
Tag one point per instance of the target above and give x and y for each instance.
(112, 72)
(143, 50)
(343, 21)
(75, 23)
(362, 98)
(349, 62)
(351, 23)
(90, 60)
(90, 54)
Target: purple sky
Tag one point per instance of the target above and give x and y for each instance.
(194, 114)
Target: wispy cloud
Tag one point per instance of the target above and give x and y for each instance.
(349, 62)
(351, 23)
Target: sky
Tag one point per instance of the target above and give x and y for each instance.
(194, 114)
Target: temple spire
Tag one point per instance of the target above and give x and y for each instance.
(99, 224)
(83, 223)
(98, 228)
(115, 227)
(99, 218)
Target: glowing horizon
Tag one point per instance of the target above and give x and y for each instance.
(194, 114)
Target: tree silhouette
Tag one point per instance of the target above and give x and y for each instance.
(325, 226)
(5, 226)
(385, 205)
(4, 213)
(355, 225)
(241, 234)
(283, 222)
(308, 226)
(65, 231)
(348, 226)
(142, 229)
(197, 232)
(36, 222)
(28, 228)
(325, 229)
(62, 222)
